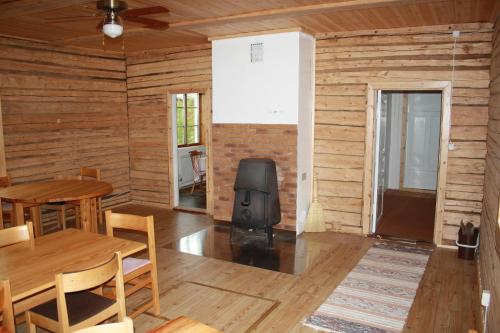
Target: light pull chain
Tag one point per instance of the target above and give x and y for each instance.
(455, 35)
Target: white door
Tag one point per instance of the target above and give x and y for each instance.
(422, 141)
(379, 160)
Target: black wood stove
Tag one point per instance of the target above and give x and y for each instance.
(256, 200)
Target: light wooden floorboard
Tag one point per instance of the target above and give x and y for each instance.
(238, 298)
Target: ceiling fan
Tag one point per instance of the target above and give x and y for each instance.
(113, 12)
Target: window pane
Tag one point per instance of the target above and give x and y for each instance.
(180, 135)
(193, 116)
(180, 117)
(179, 100)
(193, 135)
(192, 100)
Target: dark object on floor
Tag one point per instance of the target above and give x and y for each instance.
(467, 241)
(408, 215)
(256, 199)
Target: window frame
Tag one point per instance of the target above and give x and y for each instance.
(185, 121)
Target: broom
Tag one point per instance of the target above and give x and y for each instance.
(315, 218)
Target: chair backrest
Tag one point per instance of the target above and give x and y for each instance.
(88, 279)
(17, 234)
(6, 306)
(5, 181)
(133, 222)
(127, 326)
(195, 156)
(90, 173)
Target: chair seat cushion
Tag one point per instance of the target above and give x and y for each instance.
(131, 264)
(81, 305)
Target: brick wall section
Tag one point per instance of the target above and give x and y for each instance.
(232, 142)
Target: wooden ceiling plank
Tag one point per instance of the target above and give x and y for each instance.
(296, 11)
(349, 5)
(29, 7)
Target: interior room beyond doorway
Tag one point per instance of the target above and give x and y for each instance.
(190, 152)
(406, 160)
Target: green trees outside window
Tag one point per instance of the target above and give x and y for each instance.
(188, 119)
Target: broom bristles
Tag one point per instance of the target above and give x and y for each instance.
(315, 218)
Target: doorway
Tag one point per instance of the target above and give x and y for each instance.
(407, 131)
(189, 152)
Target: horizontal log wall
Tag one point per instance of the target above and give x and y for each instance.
(490, 227)
(150, 75)
(345, 63)
(63, 109)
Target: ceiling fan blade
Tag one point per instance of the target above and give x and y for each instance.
(144, 11)
(149, 23)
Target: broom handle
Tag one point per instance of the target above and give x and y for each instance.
(315, 188)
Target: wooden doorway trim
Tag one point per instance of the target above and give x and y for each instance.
(3, 164)
(441, 86)
(206, 132)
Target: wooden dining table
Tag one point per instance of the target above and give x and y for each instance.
(32, 265)
(51, 191)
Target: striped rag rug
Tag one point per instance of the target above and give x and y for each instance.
(377, 294)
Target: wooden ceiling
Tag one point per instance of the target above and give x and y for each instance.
(194, 21)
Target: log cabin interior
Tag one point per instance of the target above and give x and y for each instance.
(272, 166)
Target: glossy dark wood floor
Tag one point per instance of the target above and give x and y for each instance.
(246, 248)
(408, 215)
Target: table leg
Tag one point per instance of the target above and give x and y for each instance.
(88, 218)
(36, 216)
(18, 213)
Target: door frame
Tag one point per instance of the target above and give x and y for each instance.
(206, 128)
(3, 163)
(439, 86)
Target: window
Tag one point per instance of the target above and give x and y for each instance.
(188, 119)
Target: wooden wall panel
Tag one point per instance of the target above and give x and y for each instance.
(346, 63)
(63, 109)
(489, 259)
(150, 76)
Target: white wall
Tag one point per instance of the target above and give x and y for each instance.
(305, 128)
(422, 145)
(256, 93)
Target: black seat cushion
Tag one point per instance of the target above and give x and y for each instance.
(81, 305)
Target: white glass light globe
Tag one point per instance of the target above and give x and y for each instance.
(112, 30)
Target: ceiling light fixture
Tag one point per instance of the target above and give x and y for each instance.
(112, 26)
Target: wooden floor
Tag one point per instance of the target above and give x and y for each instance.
(238, 298)
(197, 199)
(408, 215)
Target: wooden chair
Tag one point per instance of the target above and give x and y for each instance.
(8, 323)
(7, 211)
(127, 326)
(62, 207)
(75, 306)
(14, 235)
(198, 174)
(140, 273)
